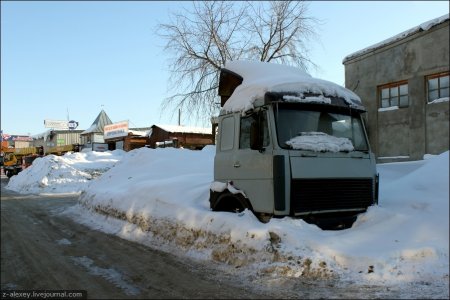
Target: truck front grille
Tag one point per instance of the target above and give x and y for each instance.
(315, 195)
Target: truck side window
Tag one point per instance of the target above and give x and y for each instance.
(244, 132)
(227, 134)
(265, 128)
(245, 128)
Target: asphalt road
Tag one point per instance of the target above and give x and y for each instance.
(41, 249)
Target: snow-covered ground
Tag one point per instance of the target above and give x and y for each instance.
(159, 197)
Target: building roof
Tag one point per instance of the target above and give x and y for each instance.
(99, 123)
(422, 27)
(183, 129)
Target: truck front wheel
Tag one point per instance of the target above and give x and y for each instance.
(230, 202)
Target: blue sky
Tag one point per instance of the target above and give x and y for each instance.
(76, 58)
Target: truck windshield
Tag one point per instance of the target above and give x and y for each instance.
(292, 122)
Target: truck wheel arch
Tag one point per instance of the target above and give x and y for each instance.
(227, 201)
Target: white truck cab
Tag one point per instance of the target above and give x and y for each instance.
(291, 145)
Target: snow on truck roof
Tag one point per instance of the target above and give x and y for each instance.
(261, 77)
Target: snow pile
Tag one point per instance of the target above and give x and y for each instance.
(63, 174)
(320, 142)
(162, 182)
(159, 197)
(218, 186)
(262, 77)
(404, 239)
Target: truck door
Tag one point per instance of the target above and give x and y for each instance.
(252, 161)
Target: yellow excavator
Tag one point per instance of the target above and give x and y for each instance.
(15, 160)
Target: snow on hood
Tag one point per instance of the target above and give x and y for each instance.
(320, 142)
(262, 77)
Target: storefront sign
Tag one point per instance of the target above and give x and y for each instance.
(115, 130)
(56, 124)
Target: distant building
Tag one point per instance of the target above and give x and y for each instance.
(119, 136)
(92, 138)
(404, 84)
(16, 141)
(53, 138)
(180, 136)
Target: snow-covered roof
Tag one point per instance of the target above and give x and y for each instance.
(184, 129)
(422, 27)
(91, 129)
(138, 132)
(43, 135)
(261, 77)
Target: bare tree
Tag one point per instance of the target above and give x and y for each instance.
(200, 41)
(280, 32)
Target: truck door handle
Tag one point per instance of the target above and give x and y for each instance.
(237, 164)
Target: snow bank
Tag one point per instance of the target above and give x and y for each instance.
(155, 181)
(63, 174)
(159, 197)
(404, 239)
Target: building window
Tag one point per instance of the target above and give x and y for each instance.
(394, 94)
(438, 86)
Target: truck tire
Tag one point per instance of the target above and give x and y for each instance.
(230, 202)
(263, 217)
(337, 223)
